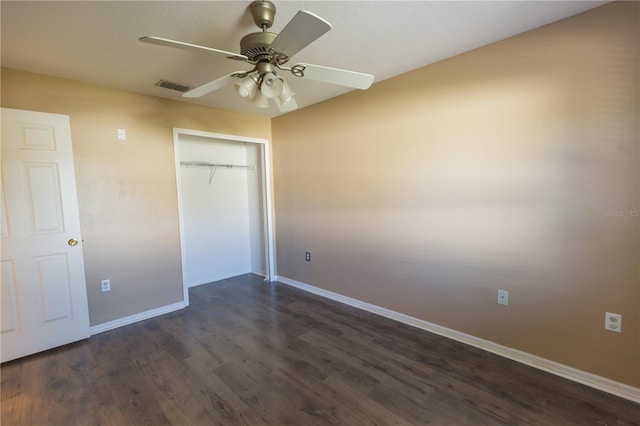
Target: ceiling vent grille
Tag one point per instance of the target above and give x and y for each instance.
(174, 86)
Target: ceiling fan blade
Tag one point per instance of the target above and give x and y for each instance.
(303, 29)
(346, 78)
(188, 46)
(291, 105)
(213, 85)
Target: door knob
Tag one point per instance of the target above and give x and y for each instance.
(72, 242)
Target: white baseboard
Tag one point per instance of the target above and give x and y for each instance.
(106, 326)
(598, 382)
(226, 277)
(259, 272)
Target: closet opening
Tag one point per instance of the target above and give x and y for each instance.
(224, 207)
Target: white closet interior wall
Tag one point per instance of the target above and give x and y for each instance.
(222, 210)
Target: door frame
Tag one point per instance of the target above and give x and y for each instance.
(267, 197)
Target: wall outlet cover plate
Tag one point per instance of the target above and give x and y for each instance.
(613, 322)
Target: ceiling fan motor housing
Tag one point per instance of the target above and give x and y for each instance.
(255, 45)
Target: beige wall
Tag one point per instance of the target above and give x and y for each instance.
(513, 166)
(126, 190)
(505, 167)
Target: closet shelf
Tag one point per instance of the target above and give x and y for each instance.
(206, 164)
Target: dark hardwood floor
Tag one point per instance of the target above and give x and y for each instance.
(250, 353)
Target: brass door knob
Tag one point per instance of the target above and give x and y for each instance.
(72, 242)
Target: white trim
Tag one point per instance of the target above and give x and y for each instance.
(197, 284)
(267, 193)
(121, 322)
(261, 273)
(226, 277)
(598, 382)
(176, 157)
(270, 244)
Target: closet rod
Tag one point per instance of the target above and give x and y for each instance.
(204, 163)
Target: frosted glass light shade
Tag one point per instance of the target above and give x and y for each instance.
(271, 85)
(287, 94)
(246, 88)
(260, 100)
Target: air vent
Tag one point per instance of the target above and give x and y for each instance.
(173, 86)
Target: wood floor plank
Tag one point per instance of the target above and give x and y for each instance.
(251, 353)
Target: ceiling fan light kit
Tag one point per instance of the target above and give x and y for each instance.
(286, 94)
(247, 87)
(268, 53)
(260, 100)
(271, 85)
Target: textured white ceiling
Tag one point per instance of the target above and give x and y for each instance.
(97, 42)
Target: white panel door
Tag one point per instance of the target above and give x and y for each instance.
(44, 297)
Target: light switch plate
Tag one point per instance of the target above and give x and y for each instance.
(503, 297)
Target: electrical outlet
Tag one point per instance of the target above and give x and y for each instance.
(122, 135)
(503, 297)
(307, 256)
(613, 322)
(106, 285)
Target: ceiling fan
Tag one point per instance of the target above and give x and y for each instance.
(268, 53)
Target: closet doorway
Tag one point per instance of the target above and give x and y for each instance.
(225, 207)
